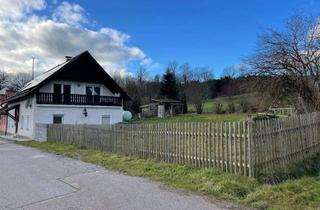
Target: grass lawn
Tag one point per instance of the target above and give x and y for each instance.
(300, 193)
(208, 105)
(198, 118)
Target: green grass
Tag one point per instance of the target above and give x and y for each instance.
(198, 118)
(301, 193)
(208, 105)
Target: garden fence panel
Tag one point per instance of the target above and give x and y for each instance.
(246, 147)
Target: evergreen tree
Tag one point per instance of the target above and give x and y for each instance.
(184, 102)
(169, 87)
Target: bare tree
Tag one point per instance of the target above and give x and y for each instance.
(18, 81)
(185, 72)
(293, 57)
(196, 94)
(235, 71)
(203, 74)
(142, 74)
(173, 66)
(4, 77)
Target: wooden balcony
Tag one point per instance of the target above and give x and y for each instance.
(77, 99)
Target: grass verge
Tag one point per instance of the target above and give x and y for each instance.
(301, 193)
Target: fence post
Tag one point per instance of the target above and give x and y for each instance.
(251, 150)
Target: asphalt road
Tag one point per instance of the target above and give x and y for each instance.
(32, 179)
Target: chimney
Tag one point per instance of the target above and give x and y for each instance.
(68, 58)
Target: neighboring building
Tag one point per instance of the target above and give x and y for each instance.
(78, 91)
(162, 108)
(5, 93)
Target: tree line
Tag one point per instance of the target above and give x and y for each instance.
(284, 69)
(182, 82)
(14, 81)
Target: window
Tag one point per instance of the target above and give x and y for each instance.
(57, 119)
(89, 90)
(92, 90)
(97, 91)
(106, 120)
(22, 122)
(57, 88)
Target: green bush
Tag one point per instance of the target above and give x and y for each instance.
(244, 106)
(218, 109)
(231, 108)
(265, 117)
(199, 107)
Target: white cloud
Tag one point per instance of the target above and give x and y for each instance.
(49, 40)
(17, 9)
(72, 14)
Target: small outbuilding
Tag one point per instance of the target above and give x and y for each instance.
(162, 108)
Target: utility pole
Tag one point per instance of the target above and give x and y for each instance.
(32, 67)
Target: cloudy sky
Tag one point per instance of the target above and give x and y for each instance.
(48, 31)
(125, 34)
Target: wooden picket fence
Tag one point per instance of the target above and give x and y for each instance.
(281, 142)
(245, 147)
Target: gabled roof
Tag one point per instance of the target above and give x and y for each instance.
(82, 67)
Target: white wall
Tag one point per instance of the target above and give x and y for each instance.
(77, 87)
(74, 114)
(26, 123)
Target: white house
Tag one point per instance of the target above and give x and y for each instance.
(78, 91)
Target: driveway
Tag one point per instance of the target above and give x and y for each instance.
(32, 179)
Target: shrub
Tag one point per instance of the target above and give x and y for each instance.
(250, 105)
(231, 108)
(244, 106)
(265, 117)
(218, 109)
(199, 107)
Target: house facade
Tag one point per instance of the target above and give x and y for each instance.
(79, 91)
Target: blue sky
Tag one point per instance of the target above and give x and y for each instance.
(123, 34)
(202, 32)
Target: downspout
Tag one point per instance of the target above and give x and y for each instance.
(17, 119)
(6, 126)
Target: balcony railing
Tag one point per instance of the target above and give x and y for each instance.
(77, 99)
